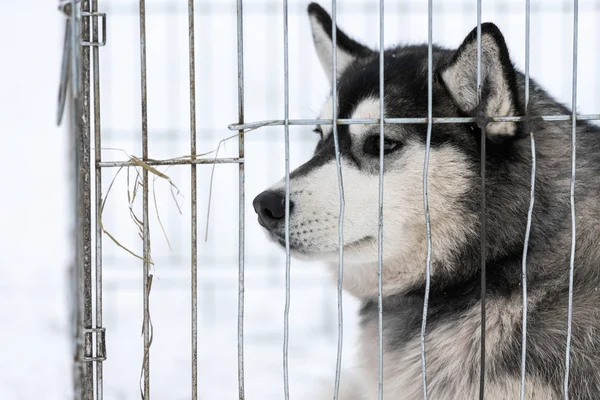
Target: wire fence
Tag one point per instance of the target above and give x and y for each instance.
(86, 34)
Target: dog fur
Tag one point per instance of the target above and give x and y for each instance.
(453, 329)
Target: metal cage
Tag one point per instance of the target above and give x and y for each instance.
(88, 24)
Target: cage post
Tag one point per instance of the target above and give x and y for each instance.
(84, 206)
(286, 84)
(76, 71)
(531, 200)
(100, 349)
(572, 197)
(483, 238)
(425, 191)
(241, 194)
(194, 196)
(146, 281)
(82, 373)
(68, 94)
(338, 162)
(380, 202)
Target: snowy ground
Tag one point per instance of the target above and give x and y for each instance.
(35, 207)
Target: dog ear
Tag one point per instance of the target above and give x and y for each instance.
(499, 96)
(348, 50)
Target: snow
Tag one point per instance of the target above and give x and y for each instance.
(35, 207)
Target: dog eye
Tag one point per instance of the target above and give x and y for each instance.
(372, 144)
(319, 131)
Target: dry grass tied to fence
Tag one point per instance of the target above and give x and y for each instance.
(132, 190)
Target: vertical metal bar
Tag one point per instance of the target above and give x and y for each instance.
(286, 83)
(338, 162)
(241, 193)
(77, 286)
(531, 200)
(573, 169)
(75, 269)
(98, 195)
(145, 219)
(425, 190)
(483, 241)
(75, 56)
(85, 205)
(597, 55)
(194, 196)
(380, 201)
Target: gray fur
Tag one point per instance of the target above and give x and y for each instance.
(453, 342)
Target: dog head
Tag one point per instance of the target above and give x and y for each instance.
(453, 179)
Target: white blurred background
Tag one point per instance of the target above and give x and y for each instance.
(35, 202)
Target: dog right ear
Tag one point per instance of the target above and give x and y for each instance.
(348, 50)
(499, 92)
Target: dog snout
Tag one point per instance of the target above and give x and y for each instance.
(270, 207)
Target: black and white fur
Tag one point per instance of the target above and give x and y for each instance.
(453, 330)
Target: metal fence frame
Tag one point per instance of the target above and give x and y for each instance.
(80, 94)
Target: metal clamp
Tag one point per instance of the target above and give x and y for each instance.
(100, 16)
(100, 344)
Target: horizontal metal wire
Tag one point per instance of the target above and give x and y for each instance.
(347, 121)
(110, 164)
(436, 120)
(219, 7)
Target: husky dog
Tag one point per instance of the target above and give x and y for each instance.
(453, 329)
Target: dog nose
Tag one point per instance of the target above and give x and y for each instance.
(270, 207)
